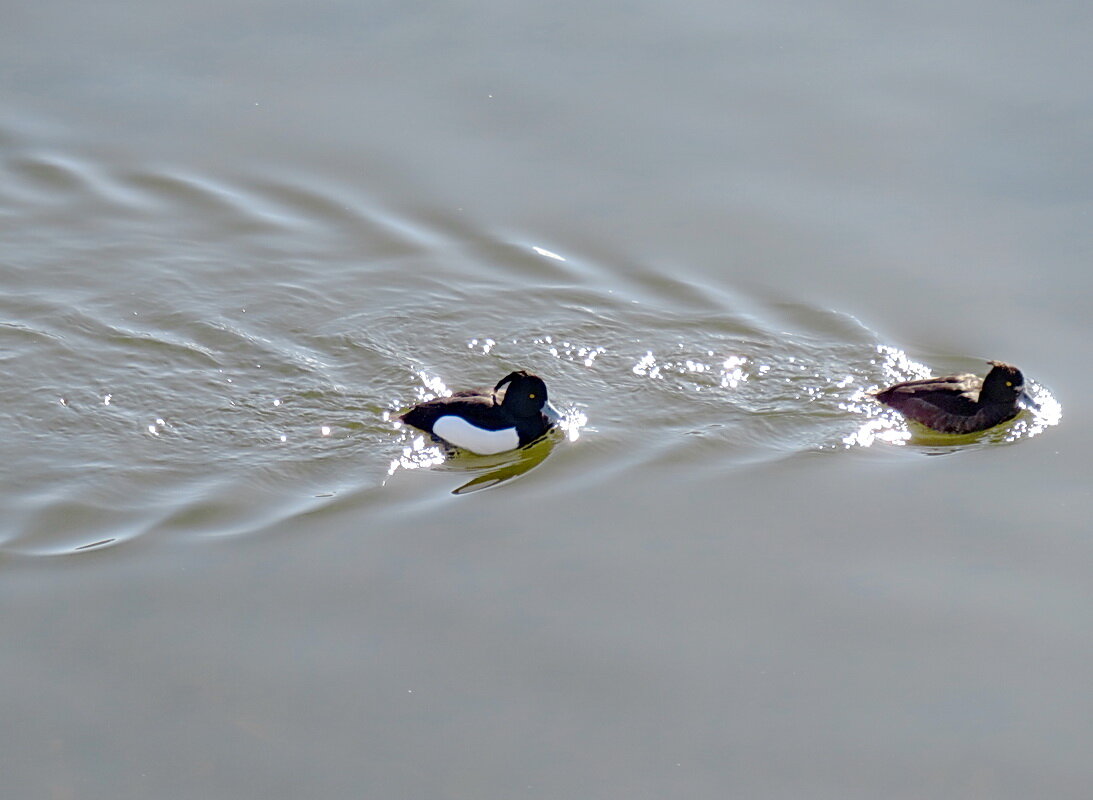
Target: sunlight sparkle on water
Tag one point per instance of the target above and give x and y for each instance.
(416, 456)
(647, 365)
(571, 351)
(879, 429)
(1036, 420)
(543, 252)
(485, 344)
(432, 387)
(898, 366)
(732, 372)
(880, 425)
(571, 423)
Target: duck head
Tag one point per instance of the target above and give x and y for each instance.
(525, 395)
(1005, 385)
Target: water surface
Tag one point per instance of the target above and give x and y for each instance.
(236, 242)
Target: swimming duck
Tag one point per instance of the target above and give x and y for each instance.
(960, 403)
(486, 423)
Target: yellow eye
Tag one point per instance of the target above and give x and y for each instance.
(1009, 383)
(532, 395)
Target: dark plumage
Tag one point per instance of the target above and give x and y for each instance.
(487, 422)
(960, 403)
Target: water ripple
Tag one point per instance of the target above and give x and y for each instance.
(196, 356)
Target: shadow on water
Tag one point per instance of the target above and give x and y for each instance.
(241, 361)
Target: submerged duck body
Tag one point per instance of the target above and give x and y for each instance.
(488, 422)
(960, 403)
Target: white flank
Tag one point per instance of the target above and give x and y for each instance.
(486, 443)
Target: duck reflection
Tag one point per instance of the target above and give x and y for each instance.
(519, 462)
(489, 470)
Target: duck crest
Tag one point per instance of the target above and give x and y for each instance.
(525, 394)
(1003, 384)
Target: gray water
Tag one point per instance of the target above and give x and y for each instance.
(236, 240)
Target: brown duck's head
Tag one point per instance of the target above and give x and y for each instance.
(1004, 384)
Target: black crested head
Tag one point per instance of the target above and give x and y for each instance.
(1003, 384)
(526, 394)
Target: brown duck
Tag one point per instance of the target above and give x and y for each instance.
(960, 403)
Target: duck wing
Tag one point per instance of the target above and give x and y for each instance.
(954, 394)
(475, 408)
